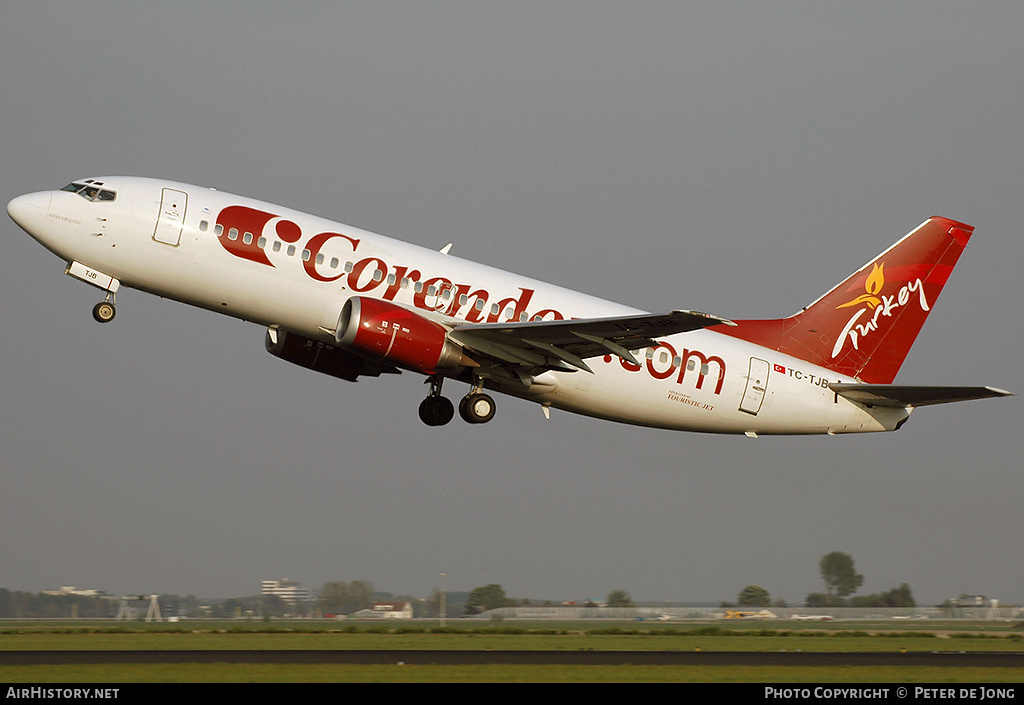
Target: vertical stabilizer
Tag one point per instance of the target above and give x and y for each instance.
(865, 327)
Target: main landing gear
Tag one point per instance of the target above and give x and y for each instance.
(105, 311)
(475, 407)
(436, 410)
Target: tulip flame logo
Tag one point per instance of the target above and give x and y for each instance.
(873, 285)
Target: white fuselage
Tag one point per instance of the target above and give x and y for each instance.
(295, 271)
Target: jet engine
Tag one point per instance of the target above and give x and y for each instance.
(391, 334)
(321, 357)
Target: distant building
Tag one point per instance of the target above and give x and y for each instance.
(291, 591)
(385, 610)
(72, 590)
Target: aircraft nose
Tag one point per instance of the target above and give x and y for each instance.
(30, 211)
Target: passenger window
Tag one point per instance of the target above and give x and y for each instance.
(203, 225)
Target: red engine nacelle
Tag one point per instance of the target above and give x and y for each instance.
(389, 333)
(314, 355)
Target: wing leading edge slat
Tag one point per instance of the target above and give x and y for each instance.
(570, 343)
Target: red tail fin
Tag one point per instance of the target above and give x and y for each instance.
(865, 327)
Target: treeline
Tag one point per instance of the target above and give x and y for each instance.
(341, 598)
(897, 597)
(842, 580)
(335, 598)
(19, 604)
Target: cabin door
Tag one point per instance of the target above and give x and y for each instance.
(757, 384)
(171, 218)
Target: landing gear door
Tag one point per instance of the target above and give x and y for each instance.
(171, 217)
(757, 384)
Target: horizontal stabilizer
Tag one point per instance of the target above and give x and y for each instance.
(898, 395)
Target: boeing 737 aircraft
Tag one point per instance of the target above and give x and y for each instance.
(350, 303)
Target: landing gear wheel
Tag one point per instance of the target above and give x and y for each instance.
(476, 408)
(104, 312)
(436, 411)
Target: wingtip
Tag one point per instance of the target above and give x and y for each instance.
(1000, 392)
(718, 320)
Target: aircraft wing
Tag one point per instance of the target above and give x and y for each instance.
(566, 344)
(899, 396)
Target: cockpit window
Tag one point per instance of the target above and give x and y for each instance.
(90, 190)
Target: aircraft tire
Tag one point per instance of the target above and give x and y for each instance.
(104, 312)
(476, 408)
(436, 411)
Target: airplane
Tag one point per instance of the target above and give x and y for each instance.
(350, 303)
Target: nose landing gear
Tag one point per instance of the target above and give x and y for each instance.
(105, 311)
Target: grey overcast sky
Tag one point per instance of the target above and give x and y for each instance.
(732, 157)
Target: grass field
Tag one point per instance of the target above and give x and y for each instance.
(562, 636)
(280, 673)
